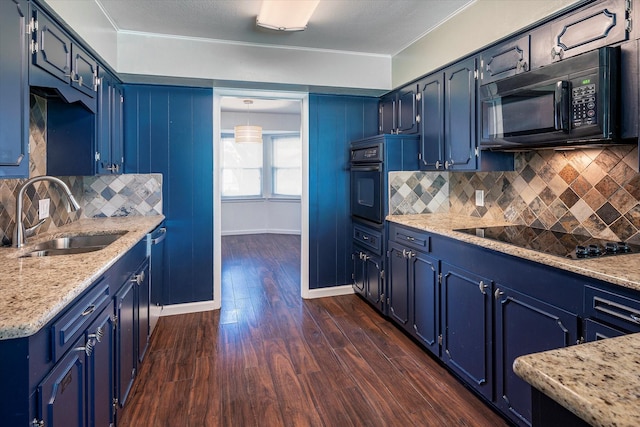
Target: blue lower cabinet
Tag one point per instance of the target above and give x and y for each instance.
(425, 307)
(367, 276)
(525, 325)
(100, 370)
(62, 394)
(125, 342)
(466, 326)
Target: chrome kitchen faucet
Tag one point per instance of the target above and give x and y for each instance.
(20, 234)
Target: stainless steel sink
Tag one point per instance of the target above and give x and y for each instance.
(73, 245)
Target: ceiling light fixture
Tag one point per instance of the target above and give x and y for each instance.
(286, 15)
(246, 134)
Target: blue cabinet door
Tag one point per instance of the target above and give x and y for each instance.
(100, 369)
(358, 280)
(125, 342)
(143, 298)
(460, 115)
(466, 326)
(525, 325)
(62, 394)
(398, 286)
(14, 87)
(109, 137)
(431, 91)
(425, 296)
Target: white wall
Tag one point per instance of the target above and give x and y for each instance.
(476, 26)
(261, 216)
(158, 55)
(87, 19)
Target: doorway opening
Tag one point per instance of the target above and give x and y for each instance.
(260, 189)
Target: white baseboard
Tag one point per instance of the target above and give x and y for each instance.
(269, 231)
(333, 291)
(190, 307)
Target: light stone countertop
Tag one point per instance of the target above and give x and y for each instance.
(598, 381)
(623, 270)
(34, 290)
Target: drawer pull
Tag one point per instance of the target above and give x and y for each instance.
(411, 239)
(635, 318)
(365, 237)
(87, 311)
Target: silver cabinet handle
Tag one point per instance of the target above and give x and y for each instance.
(482, 287)
(411, 239)
(634, 318)
(87, 311)
(498, 293)
(438, 164)
(557, 51)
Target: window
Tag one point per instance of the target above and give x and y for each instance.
(241, 169)
(286, 171)
(272, 169)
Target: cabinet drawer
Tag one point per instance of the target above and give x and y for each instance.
(73, 323)
(415, 239)
(614, 309)
(368, 238)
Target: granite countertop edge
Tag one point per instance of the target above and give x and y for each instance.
(35, 290)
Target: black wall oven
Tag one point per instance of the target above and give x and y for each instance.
(367, 183)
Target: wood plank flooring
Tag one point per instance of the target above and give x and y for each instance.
(270, 358)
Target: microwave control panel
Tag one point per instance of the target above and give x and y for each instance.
(583, 99)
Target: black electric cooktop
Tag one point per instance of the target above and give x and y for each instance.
(565, 245)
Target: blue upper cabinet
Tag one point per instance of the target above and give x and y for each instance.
(109, 121)
(14, 101)
(448, 118)
(58, 62)
(334, 121)
(398, 111)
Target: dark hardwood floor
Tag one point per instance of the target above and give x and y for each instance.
(270, 358)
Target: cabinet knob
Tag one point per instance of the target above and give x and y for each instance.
(634, 318)
(438, 164)
(498, 293)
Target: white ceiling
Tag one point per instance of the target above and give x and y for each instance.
(383, 27)
(260, 105)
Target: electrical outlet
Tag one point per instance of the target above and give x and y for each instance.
(43, 208)
(479, 197)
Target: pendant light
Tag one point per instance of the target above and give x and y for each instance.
(247, 134)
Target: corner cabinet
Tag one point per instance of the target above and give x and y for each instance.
(399, 111)
(448, 118)
(14, 87)
(58, 62)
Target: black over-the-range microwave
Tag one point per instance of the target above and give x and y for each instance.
(574, 102)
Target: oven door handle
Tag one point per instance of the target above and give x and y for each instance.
(368, 168)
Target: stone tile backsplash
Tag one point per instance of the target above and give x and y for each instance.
(99, 196)
(592, 191)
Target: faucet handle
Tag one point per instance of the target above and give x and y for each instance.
(28, 232)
